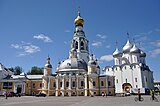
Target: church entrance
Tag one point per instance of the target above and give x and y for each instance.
(127, 87)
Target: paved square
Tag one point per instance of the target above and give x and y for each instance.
(76, 101)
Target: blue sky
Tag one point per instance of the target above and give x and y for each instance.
(32, 29)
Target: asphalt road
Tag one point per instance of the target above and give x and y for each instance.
(76, 101)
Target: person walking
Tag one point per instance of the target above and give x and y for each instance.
(152, 94)
(139, 95)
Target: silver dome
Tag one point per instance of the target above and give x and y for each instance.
(117, 53)
(48, 65)
(127, 47)
(135, 49)
(142, 54)
(72, 63)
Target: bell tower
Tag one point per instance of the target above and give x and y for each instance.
(79, 42)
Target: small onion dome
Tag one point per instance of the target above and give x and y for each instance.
(117, 53)
(134, 49)
(142, 54)
(79, 20)
(127, 47)
(48, 65)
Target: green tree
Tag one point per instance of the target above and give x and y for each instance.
(11, 69)
(18, 70)
(35, 71)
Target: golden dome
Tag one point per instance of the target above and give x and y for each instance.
(79, 20)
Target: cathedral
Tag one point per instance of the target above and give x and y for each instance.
(130, 70)
(79, 75)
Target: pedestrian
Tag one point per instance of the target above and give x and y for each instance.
(5, 95)
(139, 94)
(152, 94)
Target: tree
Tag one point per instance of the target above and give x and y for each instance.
(11, 69)
(35, 71)
(18, 70)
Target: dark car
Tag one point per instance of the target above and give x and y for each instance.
(15, 94)
(41, 95)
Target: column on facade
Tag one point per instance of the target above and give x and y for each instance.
(107, 87)
(77, 85)
(86, 84)
(57, 86)
(63, 86)
(48, 86)
(70, 85)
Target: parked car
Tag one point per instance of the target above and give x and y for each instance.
(16, 94)
(127, 94)
(2, 93)
(8, 94)
(41, 95)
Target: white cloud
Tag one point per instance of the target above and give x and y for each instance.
(43, 38)
(106, 58)
(97, 44)
(155, 52)
(157, 29)
(156, 43)
(108, 46)
(101, 36)
(16, 46)
(67, 31)
(26, 48)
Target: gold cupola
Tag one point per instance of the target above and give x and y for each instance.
(79, 20)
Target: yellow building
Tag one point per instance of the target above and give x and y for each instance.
(79, 75)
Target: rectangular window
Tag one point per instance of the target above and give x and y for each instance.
(61, 84)
(82, 83)
(102, 83)
(73, 84)
(54, 84)
(40, 85)
(117, 80)
(146, 79)
(7, 85)
(94, 83)
(136, 86)
(67, 84)
(109, 83)
(135, 79)
(34, 85)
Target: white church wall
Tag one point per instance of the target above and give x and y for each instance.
(127, 74)
(137, 76)
(118, 80)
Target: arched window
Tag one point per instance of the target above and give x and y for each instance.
(134, 59)
(82, 45)
(76, 45)
(94, 83)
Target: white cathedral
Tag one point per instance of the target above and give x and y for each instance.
(130, 70)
